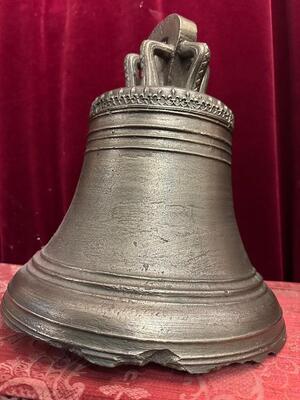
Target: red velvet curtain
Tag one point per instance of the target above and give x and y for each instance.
(57, 56)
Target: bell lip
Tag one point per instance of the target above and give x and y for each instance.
(162, 354)
(100, 344)
(163, 98)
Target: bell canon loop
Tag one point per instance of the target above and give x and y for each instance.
(148, 264)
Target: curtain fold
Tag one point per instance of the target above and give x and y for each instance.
(56, 57)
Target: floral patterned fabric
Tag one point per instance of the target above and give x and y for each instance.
(34, 370)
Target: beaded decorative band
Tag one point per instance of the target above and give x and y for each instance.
(167, 97)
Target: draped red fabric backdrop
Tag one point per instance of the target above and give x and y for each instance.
(57, 56)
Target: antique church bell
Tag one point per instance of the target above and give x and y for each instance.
(148, 264)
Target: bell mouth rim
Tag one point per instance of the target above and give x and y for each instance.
(186, 355)
(163, 98)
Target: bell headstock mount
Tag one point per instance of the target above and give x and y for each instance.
(170, 71)
(171, 56)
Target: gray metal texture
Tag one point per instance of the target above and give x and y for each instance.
(148, 264)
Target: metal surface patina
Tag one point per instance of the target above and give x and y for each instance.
(148, 264)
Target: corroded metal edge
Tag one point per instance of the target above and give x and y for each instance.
(164, 356)
(103, 346)
(166, 97)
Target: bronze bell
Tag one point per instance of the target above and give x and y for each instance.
(148, 264)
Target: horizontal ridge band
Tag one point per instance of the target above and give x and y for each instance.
(112, 286)
(169, 132)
